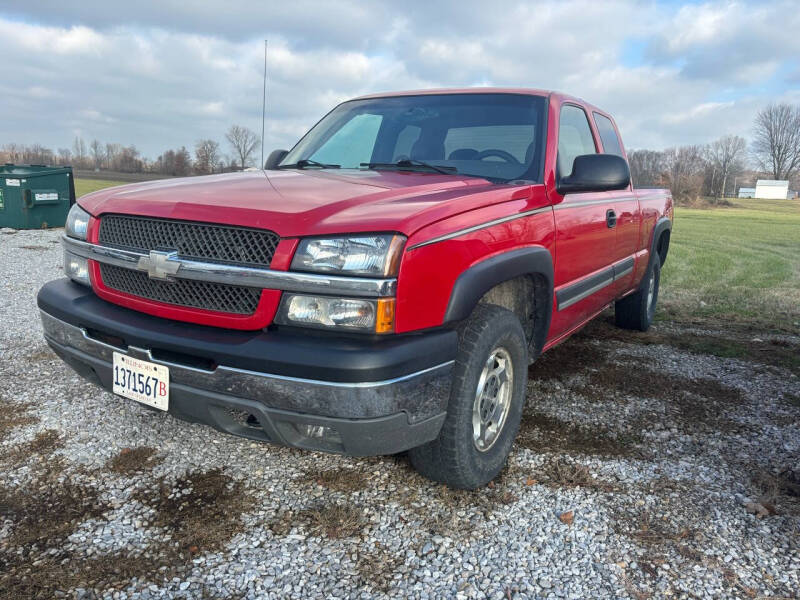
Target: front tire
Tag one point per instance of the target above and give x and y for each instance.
(638, 310)
(485, 406)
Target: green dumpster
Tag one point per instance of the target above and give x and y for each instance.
(35, 196)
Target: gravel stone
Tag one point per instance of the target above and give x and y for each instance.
(660, 514)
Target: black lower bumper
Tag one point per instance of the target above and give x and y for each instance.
(337, 394)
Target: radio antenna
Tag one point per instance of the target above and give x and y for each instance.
(264, 104)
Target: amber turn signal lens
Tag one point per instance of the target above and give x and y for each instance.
(393, 255)
(384, 317)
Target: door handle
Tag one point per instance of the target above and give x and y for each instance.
(611, 218)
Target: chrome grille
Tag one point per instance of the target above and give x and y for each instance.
(195, 241)
(182, 292)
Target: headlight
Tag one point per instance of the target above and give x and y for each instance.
(369, 255)
(374, 316)
(76, 268)
(77, 222)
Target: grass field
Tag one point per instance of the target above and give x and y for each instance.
(85, 186)
(738, 264)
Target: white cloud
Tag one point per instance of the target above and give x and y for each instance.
(164, 74)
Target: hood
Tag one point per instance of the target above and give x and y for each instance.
(305, 202)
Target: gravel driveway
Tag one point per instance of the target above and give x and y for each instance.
(648, 465)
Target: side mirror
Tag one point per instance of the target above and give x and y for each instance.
(274, 159)
(596, 173)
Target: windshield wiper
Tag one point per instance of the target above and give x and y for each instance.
(304, 163)
(409, 164)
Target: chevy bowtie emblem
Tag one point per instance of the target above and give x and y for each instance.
(159, 265)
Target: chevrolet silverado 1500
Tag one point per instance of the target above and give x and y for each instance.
(381, 287)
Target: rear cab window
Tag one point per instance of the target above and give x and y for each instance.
(608, 135)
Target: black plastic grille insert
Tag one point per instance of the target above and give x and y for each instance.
(196, 241)
(182, 292)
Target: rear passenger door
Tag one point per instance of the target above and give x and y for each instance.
(626, 209)
(585, 241)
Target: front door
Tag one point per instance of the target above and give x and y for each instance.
(585, 233)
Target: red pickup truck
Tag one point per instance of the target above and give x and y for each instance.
(381, 287)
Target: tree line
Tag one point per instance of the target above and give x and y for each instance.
(208, 156)
(712, 170)
(718, 169)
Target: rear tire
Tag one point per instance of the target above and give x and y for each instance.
(638, 310)
(485, 406)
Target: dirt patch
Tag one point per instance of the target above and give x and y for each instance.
(14, 415)
(775, 352)
(201, 510)
(691, 402)
(134, 460)
(339, 480)
(545, 433)
(378, 567)
(575, 356)
(45, 443)
(331, 521)
(45, 512)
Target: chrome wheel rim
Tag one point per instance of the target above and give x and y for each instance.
(651, 291)
(492, 399)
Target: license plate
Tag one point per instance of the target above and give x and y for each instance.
(142, 381)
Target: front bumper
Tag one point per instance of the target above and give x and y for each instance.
(320, 392)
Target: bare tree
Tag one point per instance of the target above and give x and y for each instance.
(726, 157)
(684, 169)
(647, 167)
(243, 141)
(777, 139)
(79, 152)
(206, 153)
(97, 152)
(64, 156)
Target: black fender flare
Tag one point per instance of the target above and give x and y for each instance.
(663, 224)
(481, 277)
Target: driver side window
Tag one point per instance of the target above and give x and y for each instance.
(574, 138)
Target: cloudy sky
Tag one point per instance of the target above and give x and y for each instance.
(161, 74)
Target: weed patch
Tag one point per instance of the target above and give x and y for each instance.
(781, 490)
(332, 521)
(560, 473)
(378, 568)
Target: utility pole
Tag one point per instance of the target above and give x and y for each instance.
(264, 104)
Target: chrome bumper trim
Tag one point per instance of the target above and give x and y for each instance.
(289, 281)
(421, 394)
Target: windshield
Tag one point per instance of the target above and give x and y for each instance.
(495, 136)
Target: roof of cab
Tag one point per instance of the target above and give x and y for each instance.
(484, 90)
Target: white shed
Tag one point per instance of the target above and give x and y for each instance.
(747, 192)
(772, 189)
